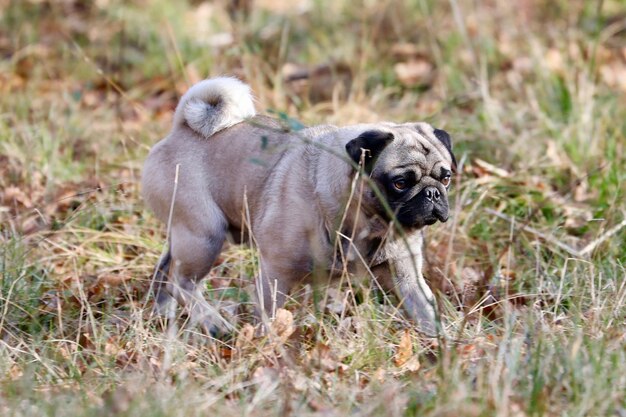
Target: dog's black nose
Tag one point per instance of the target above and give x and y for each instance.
(432, 194)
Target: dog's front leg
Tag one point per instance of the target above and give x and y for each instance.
(402, 272)
(416, 297)
(272, 286)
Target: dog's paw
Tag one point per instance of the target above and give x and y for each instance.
(213, 324)
(164, 306)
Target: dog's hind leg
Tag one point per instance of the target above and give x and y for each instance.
(162, 298)
(193, 253)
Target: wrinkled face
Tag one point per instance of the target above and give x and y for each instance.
(412, 165)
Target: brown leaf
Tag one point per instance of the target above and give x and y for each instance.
(405, 50)
(523, 64)
(405, 349)
(412, 365)
(104, 282)
(318, 405)
(51, 301)
(554, 60)
(322, 357)
(583, 192)
(265, 374)
(576, 217)
(491, 169)
(119, 400)
(226, 353)
(380, 375)
(112, 346)
(13, 194)
(15, 372)
(245, 337)
(415, 72)
(282, 325)
(614, 75)
(112, 280)
(320, 83)
(85, 341)
(293, 72)
(284, 6)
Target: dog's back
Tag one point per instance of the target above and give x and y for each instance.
(215, 134)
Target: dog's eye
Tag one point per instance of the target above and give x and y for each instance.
(445, 180)
(400, 184)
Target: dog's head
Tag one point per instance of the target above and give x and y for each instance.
(412, 165)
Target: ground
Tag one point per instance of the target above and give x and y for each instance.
(529, 270)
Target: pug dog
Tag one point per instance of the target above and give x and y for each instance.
(318, 199)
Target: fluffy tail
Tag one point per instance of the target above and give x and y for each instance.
(214, 104)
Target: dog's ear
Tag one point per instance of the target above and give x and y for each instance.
(372, 143)
(445, 138)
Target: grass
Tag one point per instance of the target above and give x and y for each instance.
(530, 268)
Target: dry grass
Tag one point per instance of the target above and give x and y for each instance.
(530, 269)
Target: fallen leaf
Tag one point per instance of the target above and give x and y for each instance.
(491, 169)
(85, 341)
(405, 50)
(320, 406)
(13, 194)
(282, 325)
(112, 346)
(226, 353)
(264, 374)
(112, 280)
(51, 301)
(284, 6)
(322, 357)
(293, 72)
(582, 191)
(523, 64)
(405, 349)
(155, 364)
(614, 75)
(380, 375)
(576, 217)
(104, 282)
(15, 373)
(412, 365)
(299, 381)
(245, 337)
(415, 72)
(554, 60)
(118, 400)
(320, 83)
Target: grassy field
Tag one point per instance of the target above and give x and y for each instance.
(530, 269)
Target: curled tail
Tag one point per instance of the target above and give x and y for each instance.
(214, 104)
